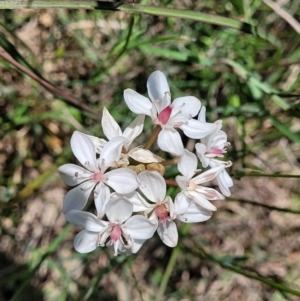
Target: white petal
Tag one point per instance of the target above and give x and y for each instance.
(202, 114)
(118, 211)
(200, 200)
(189, 105)
(144, 155)
(77, 197)
(110, 127)
(200, 150)
(137, 244)
(181, 181)
(169, 203)
(196, 129)
(98, 143)
(122, 180)
(101, 198)
(187, 163)
(169, 141)
(224, 182)
(139, 203)
(195, 214)
(86, 220)
(85, 241)
(158, 90)
(169, 234)
(84, 150)
(134, 129)
(181, 203)
(73, 174)
(153, 186)
(111, 152)
(210, 193)
(208, 175)
(138, 103)
(139, 227)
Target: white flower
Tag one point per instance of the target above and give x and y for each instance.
(191, 190)
(95, 174)
(169, 116)
(122, 232)
(214, 146)
(111, 129)
(153, 186)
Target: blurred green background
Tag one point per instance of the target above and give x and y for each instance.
(250, 249)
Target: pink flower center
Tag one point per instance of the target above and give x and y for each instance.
(116, 233)
(164, 115)
(216, 151)
(162, 212)
(97, 176)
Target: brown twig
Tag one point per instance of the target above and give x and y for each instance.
(77, 103)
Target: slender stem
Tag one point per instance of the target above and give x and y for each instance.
(170, 162)
(280, 286)
(77, 103)
(171, 183)
(253, 173)
(153, 137)
(171, 265)
(262, 205)
(167, 274)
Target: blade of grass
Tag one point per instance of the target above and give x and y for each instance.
(263, 205)
(275, 284)
(285, 130)
(247, 172)
(141, 9)
(264, 86)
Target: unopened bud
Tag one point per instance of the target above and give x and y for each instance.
(137, 168)
(156, 167)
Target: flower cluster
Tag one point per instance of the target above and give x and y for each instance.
(129, 190)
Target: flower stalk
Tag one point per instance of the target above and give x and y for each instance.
(153, 137)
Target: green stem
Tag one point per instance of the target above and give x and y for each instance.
(171, 265)
(252, 173)
(141, 9)
(263, 205)
(242, 271)
(153, 137)
(167, 274)
(131, 8)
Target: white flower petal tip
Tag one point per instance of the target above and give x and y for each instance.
(158, 88)
(197, 130)
(85, 241)
(195, 214)
(84, 150)
(110, 127)
(168, 234)
(170, 141)
(137, 103)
